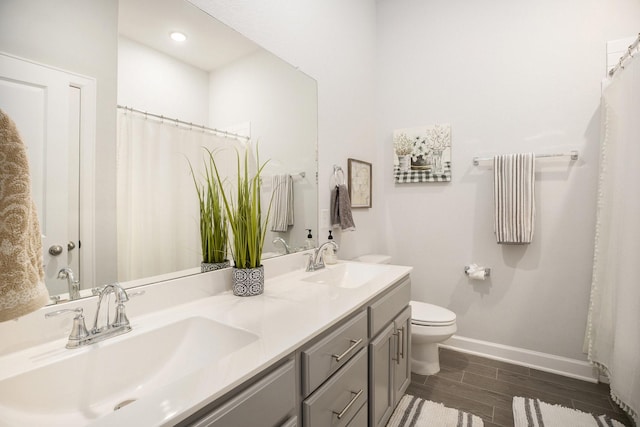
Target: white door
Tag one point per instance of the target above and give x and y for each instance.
(45, 105)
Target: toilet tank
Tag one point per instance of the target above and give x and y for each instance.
(374, 259)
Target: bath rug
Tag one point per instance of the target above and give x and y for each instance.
(414, 411)
(528, 412)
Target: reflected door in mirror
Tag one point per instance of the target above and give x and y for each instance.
(45, 105)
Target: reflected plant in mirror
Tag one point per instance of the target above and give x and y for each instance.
(133, 217)
(213, 219)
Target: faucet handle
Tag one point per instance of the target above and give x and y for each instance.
(78, 330)
(66, 310)
(310, 266)
(121, 315)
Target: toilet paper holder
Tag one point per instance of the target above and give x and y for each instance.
(468, 269)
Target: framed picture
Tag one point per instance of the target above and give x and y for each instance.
(422, 154)
(359, 183)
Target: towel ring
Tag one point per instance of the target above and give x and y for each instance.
(339, 181)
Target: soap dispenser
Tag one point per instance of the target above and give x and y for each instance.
(309, 244)
(329, 255)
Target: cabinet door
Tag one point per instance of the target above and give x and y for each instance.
(382, 350)
(402, 362)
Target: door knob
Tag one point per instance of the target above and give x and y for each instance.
(55, 250)
(71, 246)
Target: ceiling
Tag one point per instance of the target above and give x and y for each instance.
(209, 45)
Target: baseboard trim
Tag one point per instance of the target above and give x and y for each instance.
(572, 368)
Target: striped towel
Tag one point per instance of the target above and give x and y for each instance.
(514, 191)
(413, 412)
(282, 202)
(528, 412)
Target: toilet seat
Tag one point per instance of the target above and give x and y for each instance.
(424, 314)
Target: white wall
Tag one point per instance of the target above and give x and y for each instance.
(509, 77)
(151, 81)
(281, 104)
(46, 32)
(333, 41)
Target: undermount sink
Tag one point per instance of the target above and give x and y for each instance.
(347, 275)
(101, 378)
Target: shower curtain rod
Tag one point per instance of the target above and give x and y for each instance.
(628, 54)
(181, 122)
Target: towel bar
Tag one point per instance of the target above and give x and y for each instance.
(573, 154)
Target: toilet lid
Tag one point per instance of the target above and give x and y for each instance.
(426, 314)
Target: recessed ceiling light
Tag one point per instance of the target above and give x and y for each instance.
(178, 36)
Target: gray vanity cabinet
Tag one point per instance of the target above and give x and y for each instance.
(351, 375)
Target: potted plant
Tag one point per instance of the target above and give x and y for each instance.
(248, 227)
(419, 153)
(439, 139)
(213, 220)
(403, 147)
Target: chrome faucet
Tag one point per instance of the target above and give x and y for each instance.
(121, 317)
(287, 249)
(316, 259)
(80, 336)
(73, 284)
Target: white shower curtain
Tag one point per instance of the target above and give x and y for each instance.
(613, 330)
(157, 205)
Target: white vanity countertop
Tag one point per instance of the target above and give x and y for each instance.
(289, 313)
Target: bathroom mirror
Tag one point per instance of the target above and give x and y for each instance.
(146, 224)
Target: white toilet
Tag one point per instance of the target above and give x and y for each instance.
(430, 325)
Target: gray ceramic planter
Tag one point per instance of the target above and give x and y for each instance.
(248, 282)
(213, 266)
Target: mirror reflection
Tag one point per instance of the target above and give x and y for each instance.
(214, 89)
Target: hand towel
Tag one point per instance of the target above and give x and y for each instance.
(340, 207)
(514, 191)
(282, 202)
(22, 288)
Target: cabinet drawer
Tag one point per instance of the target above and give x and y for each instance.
(386, 308)
(343, 394)
(328, 355)
(268, 402)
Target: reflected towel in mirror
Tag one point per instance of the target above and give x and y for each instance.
(22, 288)
(282, 202)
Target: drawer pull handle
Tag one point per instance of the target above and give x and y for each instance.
(401, 342)
(354, 344)
(346, 408)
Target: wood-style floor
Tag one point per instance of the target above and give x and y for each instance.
(486, 387)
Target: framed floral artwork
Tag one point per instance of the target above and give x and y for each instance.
(422, 154)
(359, 181)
